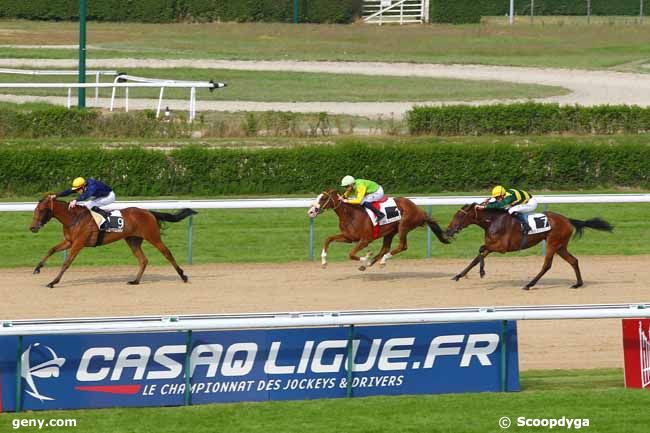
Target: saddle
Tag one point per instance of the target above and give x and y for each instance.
(114, 222)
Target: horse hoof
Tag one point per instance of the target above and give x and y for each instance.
(482, 274)
(456, 278)
(37, 271)
(575, 286)
(323, 266)
(362, 268)
(51, 286)
(184, 278)
(133, 283)
(525, 288)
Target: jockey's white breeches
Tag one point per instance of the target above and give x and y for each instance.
(523, 208)
(375, 196)
(102, 201)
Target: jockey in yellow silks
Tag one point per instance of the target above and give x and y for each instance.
(364, 192)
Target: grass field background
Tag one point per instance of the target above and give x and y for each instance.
(282, 235)
(597, 395)
(595, 46)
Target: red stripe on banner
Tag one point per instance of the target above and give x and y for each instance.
(111, 389)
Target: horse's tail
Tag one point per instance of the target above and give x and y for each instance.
(594, 223)
(435, 228)
(173, 218)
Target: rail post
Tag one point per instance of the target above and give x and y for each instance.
(19, 374)
(311, 239)
(348, 391)
(429, 235)
(189, 240)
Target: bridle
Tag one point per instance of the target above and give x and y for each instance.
(330, 198)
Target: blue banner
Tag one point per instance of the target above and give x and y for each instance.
(92, 371)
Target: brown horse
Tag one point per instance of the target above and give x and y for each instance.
(503, 234)
(356, 226)
(80, 230)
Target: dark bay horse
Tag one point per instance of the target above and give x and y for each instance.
(355, 226)
(503, 234)
(80, 230)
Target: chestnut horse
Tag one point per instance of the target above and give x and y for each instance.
(356, 226)
(503, 234)
(80, 230)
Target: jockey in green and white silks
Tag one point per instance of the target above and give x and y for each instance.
(515, 201)
(364, 192)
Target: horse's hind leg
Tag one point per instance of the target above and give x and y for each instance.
(353, 253)
(158, 243)
(548, 262)
(56, 248)
(136, 246)
(564, 253)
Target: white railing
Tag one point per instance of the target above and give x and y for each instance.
(285, 203)
(395, 11)
(156, 84)
(42, 72)
(315, 319)
(306, 202)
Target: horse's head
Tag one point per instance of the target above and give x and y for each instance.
(465, 216)
(43, 213)
(326, 200)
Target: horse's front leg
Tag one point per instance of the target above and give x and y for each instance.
(74, 250)
(383, 254)
(56, 248)
(358, 247)
(336, 238)
(482, 252)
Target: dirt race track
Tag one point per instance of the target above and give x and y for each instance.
(237, 288)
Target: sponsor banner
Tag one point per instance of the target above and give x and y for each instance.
(107, 370)
(636, 349)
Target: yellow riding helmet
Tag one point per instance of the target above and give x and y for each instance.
(78, 183)
(498, 191)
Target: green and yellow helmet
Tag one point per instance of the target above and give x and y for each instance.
(498, 191)
(79, 182)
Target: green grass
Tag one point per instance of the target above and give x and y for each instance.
(269, 86)
(595, 46)
(282, 235)
(597, 395)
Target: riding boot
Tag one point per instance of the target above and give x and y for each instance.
(377, 213)
(525, 228)
(102, 212)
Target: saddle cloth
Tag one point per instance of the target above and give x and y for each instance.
(538, 223)
(115, 222)
(389, 208)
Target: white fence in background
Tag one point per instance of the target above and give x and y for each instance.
(209, 322)
(395, 11)
(97, 74)
(121, 81)
(306, 203)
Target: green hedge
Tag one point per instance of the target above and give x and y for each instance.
(528, 119)
(413, 168)
(471, 11)
(316, 11)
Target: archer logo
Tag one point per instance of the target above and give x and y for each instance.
(48, 364)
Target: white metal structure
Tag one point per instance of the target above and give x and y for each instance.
(395, 11)
(306, 202)
(644, 354)
(156, 84)
(162, 83)
(97, 75)
(319, 318)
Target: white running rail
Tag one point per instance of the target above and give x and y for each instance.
(395, 11)
(319, 318)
